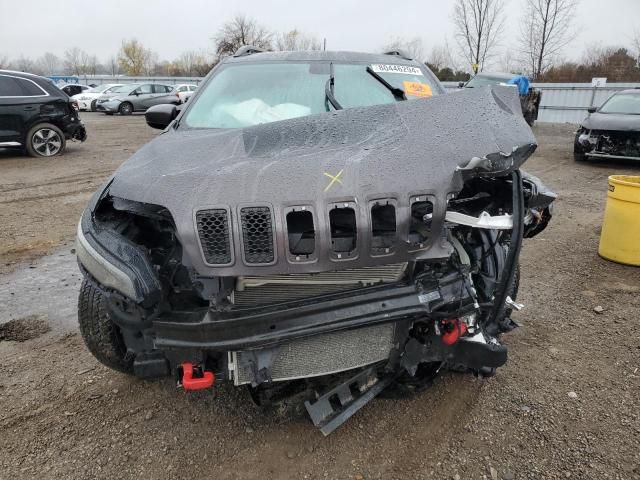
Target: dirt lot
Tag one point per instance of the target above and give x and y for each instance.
(567, 404)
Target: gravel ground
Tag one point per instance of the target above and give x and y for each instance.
(567, 404)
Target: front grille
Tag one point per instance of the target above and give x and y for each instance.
(257, 234)
(213, 229)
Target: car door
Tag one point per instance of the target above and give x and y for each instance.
(141, 96)
(161, 95)
(19, 103)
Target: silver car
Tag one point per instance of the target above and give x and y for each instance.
(135, 97)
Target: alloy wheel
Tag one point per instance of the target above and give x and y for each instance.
(46, 142)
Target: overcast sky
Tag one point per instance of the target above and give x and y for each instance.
(32, 27)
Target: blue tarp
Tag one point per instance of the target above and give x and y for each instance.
(63, 79)
(521, 82)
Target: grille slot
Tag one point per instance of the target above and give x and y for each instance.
(420, 229)
(383, 228)
(257, 234)
(344, 234)
(213, 230)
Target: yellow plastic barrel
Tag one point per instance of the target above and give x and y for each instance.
(620, 237)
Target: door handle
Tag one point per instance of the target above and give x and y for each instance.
(30, 108)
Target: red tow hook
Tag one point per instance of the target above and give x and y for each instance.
(452, 330)
(199, 383)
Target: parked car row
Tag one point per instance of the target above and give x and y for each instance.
(132, 97)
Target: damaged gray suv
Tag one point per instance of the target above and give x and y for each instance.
(320, 226)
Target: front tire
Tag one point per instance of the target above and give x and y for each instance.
(93, 105)
(101, 336)
(125, 108)
(45, 140)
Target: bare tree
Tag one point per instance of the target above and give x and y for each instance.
(412, 47)
(479, 25)
(441, 56)
(187, 61)
(296, 40)
(25, 64)
(509, 62)
(73, 60)
(240, 31)
(546, 30)
(133, 58)
(49, 63)
(4, 61)
(112, 65)
(151, 60)
(635, 46)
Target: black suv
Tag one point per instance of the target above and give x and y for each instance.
(36, 115)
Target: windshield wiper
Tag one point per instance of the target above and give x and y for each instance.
(397, 92)
(328, 89)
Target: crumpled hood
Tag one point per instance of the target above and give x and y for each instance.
(394, 151)
(612, 121)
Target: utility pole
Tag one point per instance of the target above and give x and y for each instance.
(325, 44)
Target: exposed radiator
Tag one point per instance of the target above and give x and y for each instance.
(251, 291)
(321, 354)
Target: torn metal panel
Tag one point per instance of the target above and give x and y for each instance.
(397, 151)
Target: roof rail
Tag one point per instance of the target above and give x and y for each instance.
(248, 50)
(398, 53)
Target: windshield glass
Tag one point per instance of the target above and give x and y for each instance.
(99, 89)
(622, 103)
(481, 81)
(122, 89)
(249, 94)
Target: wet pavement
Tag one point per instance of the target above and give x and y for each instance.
(46, 288)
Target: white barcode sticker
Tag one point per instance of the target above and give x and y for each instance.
(406, 69)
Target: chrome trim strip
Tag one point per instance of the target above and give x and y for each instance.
(10, 144)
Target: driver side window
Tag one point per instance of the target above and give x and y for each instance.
(142, 90)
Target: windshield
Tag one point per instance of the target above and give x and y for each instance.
(122, 89)
(622, 103)
(243, 95)
(99, 89)
(481, 81)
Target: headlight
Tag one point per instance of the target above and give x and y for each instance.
(103, 271)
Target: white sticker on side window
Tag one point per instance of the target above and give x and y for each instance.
(406, 69)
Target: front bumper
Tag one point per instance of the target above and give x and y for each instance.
(109, 106)
(609, 156)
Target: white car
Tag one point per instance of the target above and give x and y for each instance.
(87, 99)
(184, 91)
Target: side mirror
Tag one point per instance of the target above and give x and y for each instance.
(460, 84)
(592, 109)
(160, 116)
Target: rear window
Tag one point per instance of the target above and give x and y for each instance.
(18, 87)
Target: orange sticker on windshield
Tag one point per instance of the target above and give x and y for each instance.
(416, 89)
